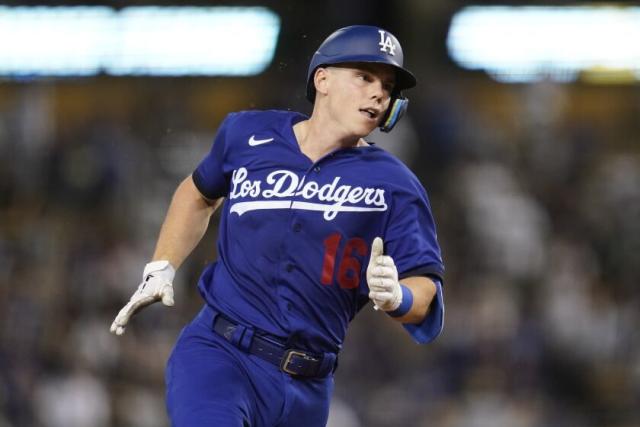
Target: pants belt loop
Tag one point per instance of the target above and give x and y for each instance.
(328, 364)
(246, 339)
(235, 334)
(214, 317)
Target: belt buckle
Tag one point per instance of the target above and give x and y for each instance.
(287, 359)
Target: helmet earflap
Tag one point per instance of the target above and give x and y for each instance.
(397, 107)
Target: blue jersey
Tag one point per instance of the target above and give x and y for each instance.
(295, 235)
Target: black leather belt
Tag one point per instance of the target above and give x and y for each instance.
(295, 362)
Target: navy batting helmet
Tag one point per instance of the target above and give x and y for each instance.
(365, 43)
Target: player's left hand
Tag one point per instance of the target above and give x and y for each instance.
(156, 285)
(382, 278)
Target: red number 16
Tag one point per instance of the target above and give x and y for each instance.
(348, 262)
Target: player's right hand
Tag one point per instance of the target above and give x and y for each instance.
(156, 285)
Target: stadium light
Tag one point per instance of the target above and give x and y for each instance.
(522, 44)
(144, 40)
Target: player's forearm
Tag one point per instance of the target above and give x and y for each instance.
(185, 224)
(424, 291)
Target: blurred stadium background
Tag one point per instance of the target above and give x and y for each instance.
(533, 174)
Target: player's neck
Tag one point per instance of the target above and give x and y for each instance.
(317, 139)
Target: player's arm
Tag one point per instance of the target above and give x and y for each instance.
(407, 301)
(423, 291)
(184, 226)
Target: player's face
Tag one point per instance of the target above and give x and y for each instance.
(359, 95)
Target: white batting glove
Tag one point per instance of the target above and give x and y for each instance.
(156, 285)
(382, 278)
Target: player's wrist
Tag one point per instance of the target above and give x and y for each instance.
(405, 302)
(161, 268)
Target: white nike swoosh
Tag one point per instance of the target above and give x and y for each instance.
(253, 141)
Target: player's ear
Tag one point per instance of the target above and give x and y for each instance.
(320, 80)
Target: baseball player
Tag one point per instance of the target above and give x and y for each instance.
(316, 222)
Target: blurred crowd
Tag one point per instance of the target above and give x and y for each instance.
(536, 194)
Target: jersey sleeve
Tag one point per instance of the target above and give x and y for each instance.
(411, 240)
(211, 176)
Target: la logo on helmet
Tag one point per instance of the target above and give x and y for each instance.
(386, 43)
